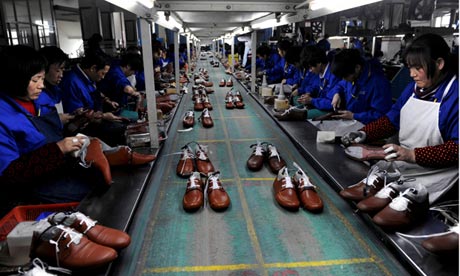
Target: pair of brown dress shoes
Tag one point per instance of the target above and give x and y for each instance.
(291, 192)
(264, 151)
(194, 196)
(191, 162)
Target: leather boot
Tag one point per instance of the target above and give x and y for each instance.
(307, 191)
(126, 156)
(62, 246)
(186, 165)
(97, 233)
(217, 196)
(285, 192)
(193, 197)
(203, 164)
(96, 158)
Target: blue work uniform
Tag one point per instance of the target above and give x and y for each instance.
(78, 91)
(292, 75)
(369, 97)
(448, 110)
(113, 85)
(320, 89)
(274, 69)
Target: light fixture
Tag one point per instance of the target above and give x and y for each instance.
(338, 5)
(146, 3)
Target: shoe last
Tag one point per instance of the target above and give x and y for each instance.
(307, 191)
(284, 190)
(62, 246)
(96, 158)
(256, 160)
(405, 210)
(193, 198)
(217, 196)
(186, 165)
(97, 233)
(275, 161)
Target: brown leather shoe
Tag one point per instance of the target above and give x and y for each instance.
(256, 160)
(307, 191)
(222, 83)
(285, 192)
(229, 82)
(377, 178)
(198, 105)
(217, 196)
(361, 152)
(206, 103)
(444, 244)
(193, 197)
(189, 119)
(208, 84)
(62, 246)
(238, 103)
(229, 100)
(96, 158)
(186, 165)
(99, 234)
(206, 119)
(209, 90)
(383, 197)
(292, 114)
(409, 208)
(126, 156)
(275, 161)
(203, 164)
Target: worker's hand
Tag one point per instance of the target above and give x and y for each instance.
(353, 137)
(396, 152)
(70, 144)
(344, 114)
(109, 116)
(305, 99)
(66, 117)
(336, 101)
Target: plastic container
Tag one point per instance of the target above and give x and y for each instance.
(29, 213)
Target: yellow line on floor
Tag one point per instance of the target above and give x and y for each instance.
(254, 266)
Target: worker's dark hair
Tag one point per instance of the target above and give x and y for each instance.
(54, 55)
(344, 62)
(284, 45)
(133, 60)
(91, 58)
(263, 50)
(293, 55)
(312, 55)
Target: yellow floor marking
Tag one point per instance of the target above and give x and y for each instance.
(254, 266)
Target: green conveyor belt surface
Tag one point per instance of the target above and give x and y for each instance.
(255, 236)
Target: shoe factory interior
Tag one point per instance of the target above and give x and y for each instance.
(257, 138)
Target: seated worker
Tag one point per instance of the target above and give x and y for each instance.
(281, 65)
(317, 92)
(425, 117)
(35, 161)
(292, 72)
(79, 92)
(54, 71)
(117, 86)
(271, 68)
(364, 88)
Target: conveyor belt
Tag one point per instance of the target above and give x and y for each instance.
(255, 236)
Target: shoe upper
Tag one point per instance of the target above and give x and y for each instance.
(217, 196)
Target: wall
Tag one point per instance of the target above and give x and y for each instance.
(70, 38)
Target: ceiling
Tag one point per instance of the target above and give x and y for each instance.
(207, 20)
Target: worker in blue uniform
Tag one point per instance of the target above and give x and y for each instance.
(34, 161)
(271, 64)
(79, 91)
(364, 90)
(317, 93)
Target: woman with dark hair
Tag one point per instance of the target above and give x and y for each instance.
(34, 157)
(425, 117)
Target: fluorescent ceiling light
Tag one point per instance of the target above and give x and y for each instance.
(339, 4)
(269, 23)
(170, 23)
(146, 3)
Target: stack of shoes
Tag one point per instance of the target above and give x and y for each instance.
(77, 242)
(361, 152)
(285, 192)
(189, 119)
(306, 191)
(382, 198)
(206, 119)
(125, 156)
(294, 113)
(376, 179)
(265, 152)
(404, 211)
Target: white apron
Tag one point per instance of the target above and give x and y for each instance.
(419, 127)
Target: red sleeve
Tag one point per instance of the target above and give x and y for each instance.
(379, 129)
(34, 164)
(440, 156)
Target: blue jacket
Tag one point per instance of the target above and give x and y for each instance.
(369, 97)
(18, 135)
(308, 79)
(78, 91)
(292, 75)
(448, 110)
(275, 69)
(321, 89)
(113, 85)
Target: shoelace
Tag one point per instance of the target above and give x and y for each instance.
(75, 237)
(193, 184)
(401, 202)
(287, 180)
(385, 192)
(206, 113)
(213, 178)
(187, 154)
(301, 175)
(273, 152)
(259, 150)
(189, 114)
(86, 220)
(39, 268)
